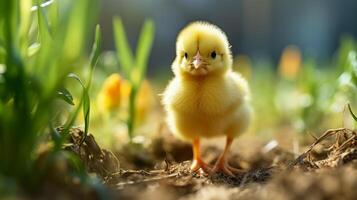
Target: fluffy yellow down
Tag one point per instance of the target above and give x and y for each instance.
(211, 104)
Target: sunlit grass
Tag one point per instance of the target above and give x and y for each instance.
(303, 94)
(39, 47)
(134, 68)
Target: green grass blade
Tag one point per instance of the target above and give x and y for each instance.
(143, 49)
(2, 44)
(53, 14)
(95, 53)
(124, 53)
(352, 64)
(85, 102)
(25, 17)
(45, 48)
(352, 114)
(75, 29)
(33, 49)
(44, 25)
(65, 95)
(86, 113)
(93, 62)
(2, 52)
(346, 46)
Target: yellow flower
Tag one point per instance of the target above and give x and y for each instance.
(290, 62)
(115, 94)
(109, 95)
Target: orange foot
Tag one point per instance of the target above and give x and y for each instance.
(223, 166)
(198, 164)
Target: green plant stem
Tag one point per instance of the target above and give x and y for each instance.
(131, 117)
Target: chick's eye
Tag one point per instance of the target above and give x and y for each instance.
(186, 55)
(213, 54)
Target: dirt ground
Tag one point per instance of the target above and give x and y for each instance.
(326, 170)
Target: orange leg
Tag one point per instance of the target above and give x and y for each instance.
(222, 164)
(197, 162)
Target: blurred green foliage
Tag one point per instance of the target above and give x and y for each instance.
(348, 63)
(40, 45)
(134, 69)
(313, 100)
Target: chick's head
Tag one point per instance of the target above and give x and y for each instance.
(202, 49)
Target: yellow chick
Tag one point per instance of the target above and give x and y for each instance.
(206, 98)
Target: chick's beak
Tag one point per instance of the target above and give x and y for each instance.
(197, 60)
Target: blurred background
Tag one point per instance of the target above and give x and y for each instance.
(259, 29)
(298, 57)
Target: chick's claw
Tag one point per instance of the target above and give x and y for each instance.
(199, 164)
(222, 164)
(226, 169)
(235, 170)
